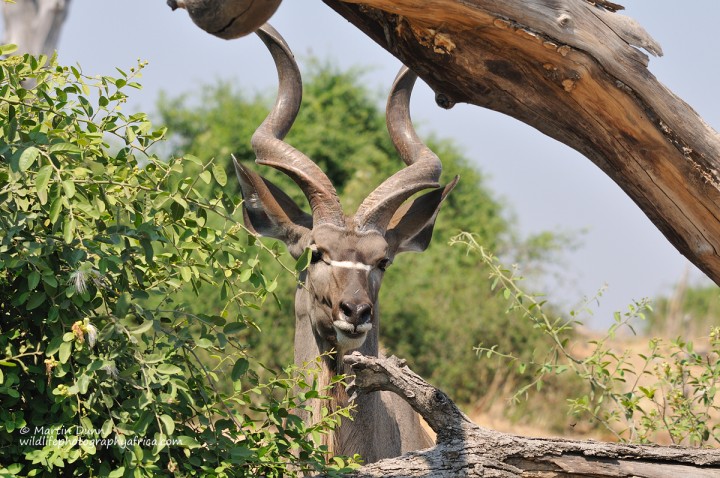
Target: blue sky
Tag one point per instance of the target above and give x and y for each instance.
(547, 185)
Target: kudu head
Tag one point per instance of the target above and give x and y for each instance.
(349, 253)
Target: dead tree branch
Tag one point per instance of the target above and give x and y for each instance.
(467, 450)
(34, 25)
(572, 69)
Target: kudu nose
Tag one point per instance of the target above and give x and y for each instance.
(356, 314)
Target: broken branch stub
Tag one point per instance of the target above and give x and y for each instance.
(227, 19)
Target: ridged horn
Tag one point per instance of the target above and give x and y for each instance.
(268, 144)
(423, 166)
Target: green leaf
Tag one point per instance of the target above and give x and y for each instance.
(148, 250)
(68, 229)
(185, 273)
(154, 358)
(648, 392)
(69, 188)
(193, 159)
(241, 366)
(201, 217)
(36, 300)
(53, 346)
(64, 353)
(204, 343)
(271, 286)
(245, 275)
(64, 148)
(144, 327)
(180, 200)
(304, 260)
(234, 327)
(107, 428)
(28, 158)
(123, 305)
(7, 49)
(177, 211)
(88, 446)
(55, 209)
(168, 369)
(168, 424)
(219, 174)
(188, 442)
(33, 280)
(42, 178)
(117, 473)
(83, 383)
(206, 177)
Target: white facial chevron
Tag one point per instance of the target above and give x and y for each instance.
(349, 265)
(359, 266)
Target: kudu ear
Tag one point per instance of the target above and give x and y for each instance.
(411, 226)
(269, 212)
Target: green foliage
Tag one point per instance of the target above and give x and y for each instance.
(428, 300)
(102, 372)
(668, 393)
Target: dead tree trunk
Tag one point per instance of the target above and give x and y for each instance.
(571, 69)
(34, 25)
(466, 450)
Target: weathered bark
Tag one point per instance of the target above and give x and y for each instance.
(570, 69)
(34, 25)
(466, 450)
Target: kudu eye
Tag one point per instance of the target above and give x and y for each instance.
(383, 264)
(316, 255)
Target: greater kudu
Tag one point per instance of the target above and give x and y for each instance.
(336, 309)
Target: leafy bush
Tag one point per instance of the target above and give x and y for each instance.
(668, 393)
(102, 373)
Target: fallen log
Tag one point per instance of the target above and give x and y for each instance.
(465, 449)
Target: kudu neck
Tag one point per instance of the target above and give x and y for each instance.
(370, 418)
